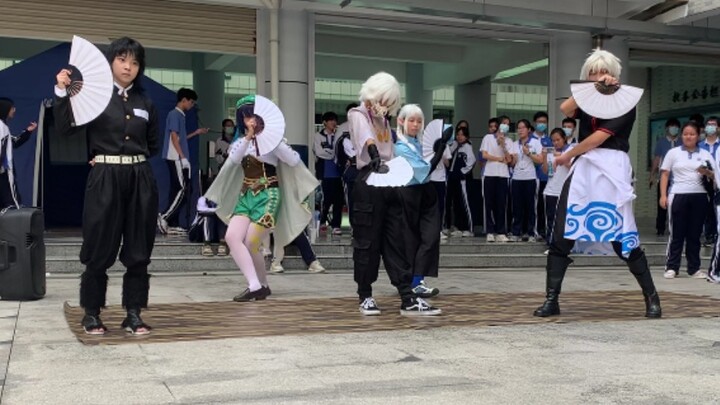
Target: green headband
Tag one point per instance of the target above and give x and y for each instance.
(250, 99)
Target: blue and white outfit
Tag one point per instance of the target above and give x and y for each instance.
(420, 207)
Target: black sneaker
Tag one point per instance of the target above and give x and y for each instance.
(418, 307)
(248, 295)
(368, 307)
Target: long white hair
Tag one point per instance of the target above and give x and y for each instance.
(382, 88)
(407, 111)
(598, 61)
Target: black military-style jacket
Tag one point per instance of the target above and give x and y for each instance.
(128, 126)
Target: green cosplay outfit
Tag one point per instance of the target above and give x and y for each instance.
(271, 189)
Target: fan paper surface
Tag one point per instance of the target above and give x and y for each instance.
(433, 132)
(90, 98)
(399, 174)
(605, 106)
(274, 131)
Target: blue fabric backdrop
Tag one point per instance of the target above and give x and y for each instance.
(29, 83)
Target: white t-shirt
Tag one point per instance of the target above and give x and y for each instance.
(683, 166)
(490, 145)
(525, 167)
(555, 183)
(440, 173)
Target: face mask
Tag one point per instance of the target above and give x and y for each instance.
(229, 130)
(673, 131)
(504, 128)
(568, 131)
(710, 129)
(541, 127)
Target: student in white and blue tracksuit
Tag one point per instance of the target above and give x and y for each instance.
(524, 184)
(686, 200)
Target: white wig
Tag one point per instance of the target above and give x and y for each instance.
(407, 111)
(382, 88)
(598, 61)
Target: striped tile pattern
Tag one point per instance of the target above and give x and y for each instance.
(218, 320)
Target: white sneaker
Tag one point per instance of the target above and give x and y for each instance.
(532, 239)
(547, 252)
(316, 267)
(445, 232)
(176, 230)
(443, 236)
(337, 231)
(369, 308)
(490, 237)
(699, 274)
(713, 278)
(670, 273)
(514, 238)
(456, 234)
(276, 267)
(502, 238)
(467, 234)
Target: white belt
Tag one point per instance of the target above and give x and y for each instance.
(119, 160)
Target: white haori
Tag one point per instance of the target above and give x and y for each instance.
(600, 200)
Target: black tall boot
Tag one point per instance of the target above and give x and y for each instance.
(640, 269)
(556, 267)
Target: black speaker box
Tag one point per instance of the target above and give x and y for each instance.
(22, 254)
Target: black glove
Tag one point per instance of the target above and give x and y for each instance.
(438, 145)
(447, 134)
(375, 162)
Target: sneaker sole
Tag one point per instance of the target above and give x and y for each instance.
(427, 295)
(420, 313)
(370, 313)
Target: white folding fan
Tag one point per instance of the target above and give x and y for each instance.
(433, 132)
(91, 81)
(274, 130)
(399, 174)
(605, 102)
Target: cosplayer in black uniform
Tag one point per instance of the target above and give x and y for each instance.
(601, 177)
(378, 223)
(121, 196)
(9, 196)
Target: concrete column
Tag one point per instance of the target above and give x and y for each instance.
(210, 87)
(296, 34)
(262, 52)
(473, 103)
(415, 92)
(567, 54)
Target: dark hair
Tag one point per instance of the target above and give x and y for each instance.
(712, 118)
(248, 110)
(329, 116)
(127, 46)
(6, 105)
(527, 123)
(569, 120)
(560, 132)
(351, 106)
(189, 94)
(692, 124)
(698, 118)
(540, 114)
(503, 118)
(467, 124)
(493, 119)
(464, 131)
(226, 120)
(672, 121)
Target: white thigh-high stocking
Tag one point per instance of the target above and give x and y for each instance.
(235, 237)
(253, 240)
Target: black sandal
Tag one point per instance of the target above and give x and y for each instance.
(133, 322)
(93, 325)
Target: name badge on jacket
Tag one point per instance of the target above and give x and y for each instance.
(141, 113)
